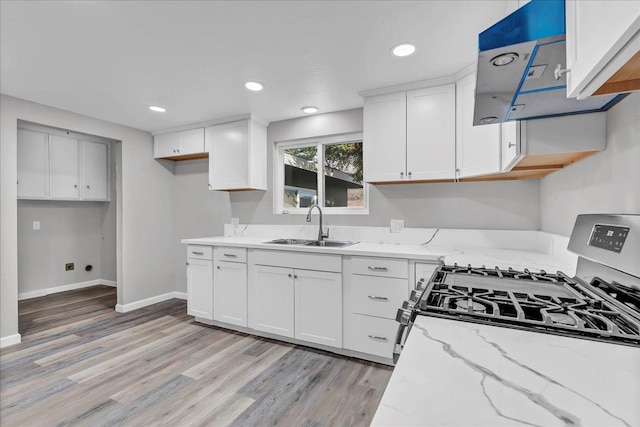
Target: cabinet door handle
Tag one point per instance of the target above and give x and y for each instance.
(197, 253)
(18, 182)
(374, 268)
(231, 255)
(378, 298)
(218, 267)
(409, 175)
(290, 275)
(88, 187)
(75, 185)
(401, 175)
(379, 338)
(512, 144)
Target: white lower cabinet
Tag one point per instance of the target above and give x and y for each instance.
(230, 293)
(371, 335)
(318, 307)
(200, 288)
(271, 300)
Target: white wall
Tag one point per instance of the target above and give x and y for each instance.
(198, 212)
(145, 206)
(607, 182)
(486, 205)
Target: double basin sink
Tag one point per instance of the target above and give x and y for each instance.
(304, 242)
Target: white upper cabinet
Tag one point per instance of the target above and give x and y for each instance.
(385, 137)
(510, 145)
(188, 144)
(95, 170)
(238, 156)
(64, 162)
(478, 148)
(602, 37)
(410, 135)
(431, 115)
(62, 167)
(33, 164)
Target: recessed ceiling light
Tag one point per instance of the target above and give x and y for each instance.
(403, 49)
(309, 110)
(489, 119)
(157, 109)
(254, 86)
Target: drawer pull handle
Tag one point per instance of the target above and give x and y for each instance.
(231, 255)
(218, 267)
(378, 298)
(198, 253)
(376, 337)
(374, 268)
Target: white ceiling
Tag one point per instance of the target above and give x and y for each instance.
(112, 59)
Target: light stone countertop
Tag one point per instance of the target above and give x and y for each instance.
(453, 373)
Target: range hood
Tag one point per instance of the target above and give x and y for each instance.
(521, 65)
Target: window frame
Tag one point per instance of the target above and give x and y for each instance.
(320, 142)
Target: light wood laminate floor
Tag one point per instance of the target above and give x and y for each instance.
(81, 363)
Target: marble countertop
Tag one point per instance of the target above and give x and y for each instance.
(453, 373)
(490, 257)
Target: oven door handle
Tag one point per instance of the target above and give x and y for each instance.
(398, 344)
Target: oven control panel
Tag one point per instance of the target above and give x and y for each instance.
(608, 237)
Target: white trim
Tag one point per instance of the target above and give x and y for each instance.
(125, 308)
(180, 295)
(64, 288)
(422, 84)
(208, 123)
(10, 340)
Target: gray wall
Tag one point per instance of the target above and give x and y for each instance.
(145, 242)
(198, 212)
(487, 205)
(70, 232)
(607, 182)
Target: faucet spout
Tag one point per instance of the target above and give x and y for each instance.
(321, 234)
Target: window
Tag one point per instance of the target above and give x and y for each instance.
(326, 171)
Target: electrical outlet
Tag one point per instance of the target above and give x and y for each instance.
(397, 225)
(36, 225)
(69, 266)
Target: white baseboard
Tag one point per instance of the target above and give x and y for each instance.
(10, 340)
(64, 288)
(125, 308)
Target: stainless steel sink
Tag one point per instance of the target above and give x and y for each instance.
(291, 241)
(305, 242)
(331, 243)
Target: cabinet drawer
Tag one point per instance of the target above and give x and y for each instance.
(385, 267)
(199, 252)
(372, 335)
(222, 253)
(377, 296)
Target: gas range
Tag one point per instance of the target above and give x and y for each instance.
(602, 302)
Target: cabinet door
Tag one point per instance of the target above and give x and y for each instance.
(95, 170)
(229, 156)
(230, 293)
(166, 145)
(191, 142)
(385, 137)
(431, 133)
(477, 147)
(200, 288)
(33, 164)
(271, 302)
(64, 168)
(318, 309)
(510, 144)
(598, 33)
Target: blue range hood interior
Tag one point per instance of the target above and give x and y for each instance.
(527, 88)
